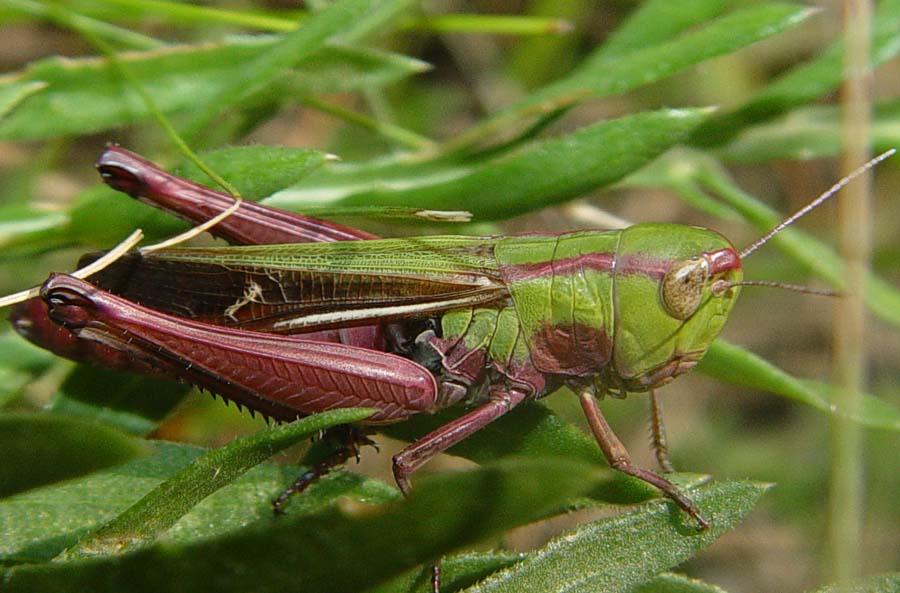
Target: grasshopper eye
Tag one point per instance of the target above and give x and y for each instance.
(681, 290)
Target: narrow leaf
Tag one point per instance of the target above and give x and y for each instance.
(658, 21)
(370, 544)
(601, 75)
(39, 524)
(458, 571)
(22, 355)
(873, 411)
(132, 403)
(531, 430)
(13, 93)
(616, 554)
(257, 171)
(22, 225)
(58, 97)
(676, 583)
(805, 83)
(733, 365)
(809, 133)
(168, 502)
(40, 449)
(539, 175)
(291, 49)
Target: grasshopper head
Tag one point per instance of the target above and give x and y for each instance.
(672, 295)
(673, 289)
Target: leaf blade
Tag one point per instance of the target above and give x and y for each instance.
(611, 555)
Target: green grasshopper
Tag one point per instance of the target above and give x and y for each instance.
(488, 322)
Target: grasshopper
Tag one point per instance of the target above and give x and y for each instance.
(310, 316)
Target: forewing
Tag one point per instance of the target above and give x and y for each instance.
(308, 287)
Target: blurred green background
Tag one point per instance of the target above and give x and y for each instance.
(491, 106)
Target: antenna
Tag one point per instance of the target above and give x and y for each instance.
(108, 259)
(818, 201)
(720, 286)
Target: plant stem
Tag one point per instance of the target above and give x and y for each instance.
(846, 497)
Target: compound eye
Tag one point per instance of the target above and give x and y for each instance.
(681, 290)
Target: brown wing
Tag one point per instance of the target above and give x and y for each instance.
(308, 287)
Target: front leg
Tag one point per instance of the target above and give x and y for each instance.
(658, 434)
(419, 453)
(437, 441)
(618, 458)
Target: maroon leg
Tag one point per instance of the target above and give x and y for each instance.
(416, 455)
(658, 434)
(618, 458)
(350, 438)
(436, 577)
(419, 453)
(252, 224)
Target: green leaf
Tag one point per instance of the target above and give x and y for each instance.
(51, 12)
(392, 539)
(20, 364)
(734, 365)
(803, 84)
(22, 355)
(378, 18)
(602, 75)
(676, 583)
(13, 93)
(536, 176)
(102, 217)
(619, 553)
(342, 68)
(167, 503)
(130, 402)
(531, 430)
(248, 77)
(257, 171)
(39, 524)
(40, 449)
(810, 133)
(22, 224)
(658, 21)
(79, 96)
(873, 411)
(458, 571)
